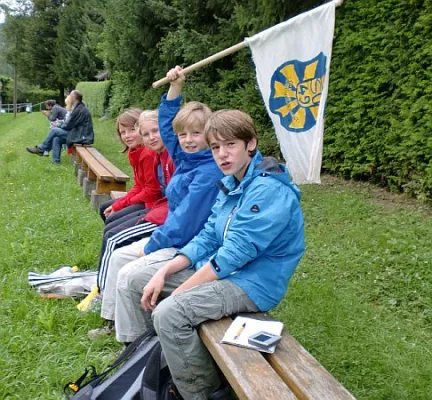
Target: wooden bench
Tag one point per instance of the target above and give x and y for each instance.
(290, 373)
(115, 194)
(98, 175)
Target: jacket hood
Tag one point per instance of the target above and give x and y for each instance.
(260, 166)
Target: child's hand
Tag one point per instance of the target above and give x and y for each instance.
(176, 78)
(108, 211)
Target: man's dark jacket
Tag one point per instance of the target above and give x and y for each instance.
(57, 112)
(80, 126)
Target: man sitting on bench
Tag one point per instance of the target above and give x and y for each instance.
(77, 129)
(240, 262)
(55, 113)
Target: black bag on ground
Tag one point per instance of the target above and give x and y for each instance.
(139, 373)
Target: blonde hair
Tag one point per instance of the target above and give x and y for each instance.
(128, 119)
(147, 115)
(193, 114)
(68, 103)
(231, 124)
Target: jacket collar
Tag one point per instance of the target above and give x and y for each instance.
(229, 184)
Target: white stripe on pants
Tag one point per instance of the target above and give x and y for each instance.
(127, 258)
(137, 231)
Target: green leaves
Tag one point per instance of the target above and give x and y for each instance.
(378, 124)
(95, 95)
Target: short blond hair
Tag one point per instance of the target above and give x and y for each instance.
(193, 114)
(231, 124)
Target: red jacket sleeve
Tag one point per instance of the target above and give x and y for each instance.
(159, 212)
(146, 189)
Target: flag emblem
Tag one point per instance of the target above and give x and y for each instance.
(295, 96)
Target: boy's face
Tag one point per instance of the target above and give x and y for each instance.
(192, 140)
(232, 155)
(150, 135)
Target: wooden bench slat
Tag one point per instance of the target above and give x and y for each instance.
(93, 164)
(252, 378)
(306, 377)
(304, 374)
(80, 152)
(115, 194)
(118, 174)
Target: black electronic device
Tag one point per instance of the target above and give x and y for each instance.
(264, 340)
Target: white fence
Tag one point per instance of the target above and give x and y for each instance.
(21, 107)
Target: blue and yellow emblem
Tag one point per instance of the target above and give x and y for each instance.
(295, 96)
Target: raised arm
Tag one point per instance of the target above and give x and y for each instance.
(168, 109)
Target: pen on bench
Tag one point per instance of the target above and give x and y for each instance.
(239, 332)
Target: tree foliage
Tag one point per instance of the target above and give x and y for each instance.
(76, 58)
(52, 42)
(96, 96)
(378, 124)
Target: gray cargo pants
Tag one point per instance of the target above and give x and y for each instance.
(175, 319)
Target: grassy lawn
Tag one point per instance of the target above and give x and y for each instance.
(360, 302)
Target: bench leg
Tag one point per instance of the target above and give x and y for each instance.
(98, 198)
(88, 187)
(72, 159)
(80, 176)
(77, 167)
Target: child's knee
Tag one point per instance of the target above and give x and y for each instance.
(124, 279)
(117, 256)
(166, 315)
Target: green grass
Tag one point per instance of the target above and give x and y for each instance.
(360, 302)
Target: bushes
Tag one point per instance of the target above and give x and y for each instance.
(378, 124)
(95, 96)
(36, 96)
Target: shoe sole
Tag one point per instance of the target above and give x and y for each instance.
(36, 154)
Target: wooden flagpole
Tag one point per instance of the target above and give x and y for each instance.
(206, 61)
(215, 57)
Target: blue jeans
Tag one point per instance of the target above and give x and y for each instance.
(54, 141)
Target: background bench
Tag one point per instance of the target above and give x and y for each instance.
(98, 175)
(290, 373)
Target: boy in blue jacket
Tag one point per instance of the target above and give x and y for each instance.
(191, 192)
(240, 262)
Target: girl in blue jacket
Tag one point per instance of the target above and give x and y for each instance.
(240, 262)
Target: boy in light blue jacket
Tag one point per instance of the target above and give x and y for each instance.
(241, 261)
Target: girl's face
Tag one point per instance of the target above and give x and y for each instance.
(150, 136)
(232, 156)
(192, 140)
(130, 136)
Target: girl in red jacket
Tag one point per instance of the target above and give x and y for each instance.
(140, 221)
(146, 189)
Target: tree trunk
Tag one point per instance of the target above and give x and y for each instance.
(15, 93)
(61, 95)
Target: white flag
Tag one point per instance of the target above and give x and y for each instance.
(292, 62)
